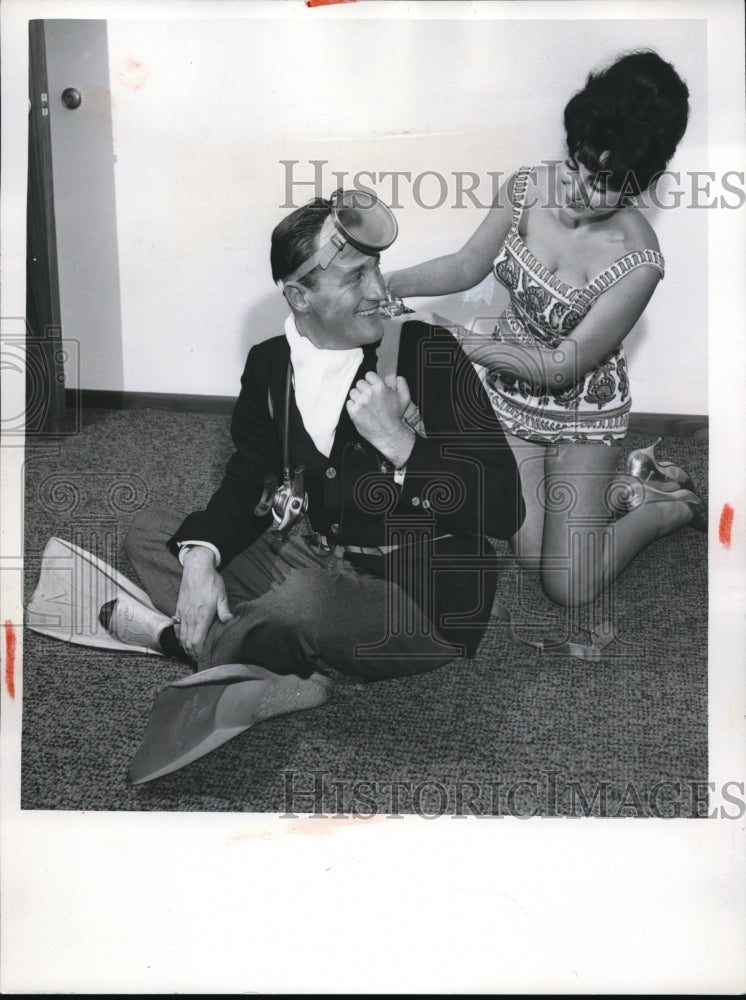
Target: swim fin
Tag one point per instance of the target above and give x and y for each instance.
(73, 587)
(197, 714)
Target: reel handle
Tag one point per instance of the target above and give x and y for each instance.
(267, 499)
(291, 502)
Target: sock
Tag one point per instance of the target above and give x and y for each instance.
(172, 647)
(104, 615)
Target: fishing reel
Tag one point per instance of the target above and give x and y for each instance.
(287, 503)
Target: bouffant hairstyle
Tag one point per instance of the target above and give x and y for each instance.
(637, 111)
(294, 240)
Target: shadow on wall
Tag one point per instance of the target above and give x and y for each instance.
(265, 318)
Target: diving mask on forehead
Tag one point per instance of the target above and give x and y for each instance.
(359, 223)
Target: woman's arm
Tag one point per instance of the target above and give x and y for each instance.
(592, 341)
(456, 272)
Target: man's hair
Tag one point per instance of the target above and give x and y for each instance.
(637, 109)
(294, 240)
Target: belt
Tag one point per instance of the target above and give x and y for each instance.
(339, 550)
(363, 550)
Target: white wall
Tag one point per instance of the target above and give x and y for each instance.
(203, 113)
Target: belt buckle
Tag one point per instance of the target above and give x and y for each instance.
(317, 541)
(322, 544)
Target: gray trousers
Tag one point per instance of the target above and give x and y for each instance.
(296, 607)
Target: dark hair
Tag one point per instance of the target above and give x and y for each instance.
(637, 110)
(294, 240)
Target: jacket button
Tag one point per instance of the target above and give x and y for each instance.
(415, 501)
(426, 504)
(331, 472)
(334, 529)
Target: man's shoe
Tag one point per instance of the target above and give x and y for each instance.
(197, 714)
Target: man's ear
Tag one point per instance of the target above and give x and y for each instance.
(296, 296)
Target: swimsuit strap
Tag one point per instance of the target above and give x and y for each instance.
(520, 186)
(616, 271)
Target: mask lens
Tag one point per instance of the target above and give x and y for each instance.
(364, 221)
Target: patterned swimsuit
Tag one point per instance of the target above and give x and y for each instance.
(543, 309)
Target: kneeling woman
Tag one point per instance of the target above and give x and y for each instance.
(580, 264)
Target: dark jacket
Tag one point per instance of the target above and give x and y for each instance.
(461, 479)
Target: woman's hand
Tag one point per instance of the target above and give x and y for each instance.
(201, 597)
(527, 364)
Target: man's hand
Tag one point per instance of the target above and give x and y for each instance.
(201, 598)
(376, 409)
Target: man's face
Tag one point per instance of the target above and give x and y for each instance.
(343, 307)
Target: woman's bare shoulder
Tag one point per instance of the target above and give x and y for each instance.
(505, 196)
(637, 232)
(539, 181)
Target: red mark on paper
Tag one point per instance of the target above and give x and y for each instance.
(726, 523)
(10, 658)
(325, 3)
(131, 73)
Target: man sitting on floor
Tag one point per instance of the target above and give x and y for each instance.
(370, 557)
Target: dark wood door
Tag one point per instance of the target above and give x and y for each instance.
(45, 369)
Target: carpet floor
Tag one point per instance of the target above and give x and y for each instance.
(509, 732)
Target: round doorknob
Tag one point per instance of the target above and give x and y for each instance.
(72, 98)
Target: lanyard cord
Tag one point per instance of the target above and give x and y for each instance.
(286, 428)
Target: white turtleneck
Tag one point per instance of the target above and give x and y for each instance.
(322, 381)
